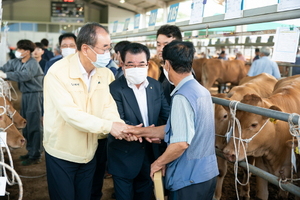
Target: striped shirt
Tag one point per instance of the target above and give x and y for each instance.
(182, 116)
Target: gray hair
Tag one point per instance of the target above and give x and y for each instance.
(265, 50)
(87, 34)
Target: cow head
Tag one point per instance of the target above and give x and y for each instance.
(14, 138)
(17, 119)
(221, 123)
(256, 131)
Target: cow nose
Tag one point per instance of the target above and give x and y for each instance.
(229, 155)
(22, 141)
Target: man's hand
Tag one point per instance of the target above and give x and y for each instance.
(153, 140)
(3, 75)
(117, 131)
(150, 131)
(156, 167)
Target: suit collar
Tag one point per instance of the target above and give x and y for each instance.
(132, 102)
(130, 98)
(150, 100)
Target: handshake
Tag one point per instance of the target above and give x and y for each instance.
(134, 133)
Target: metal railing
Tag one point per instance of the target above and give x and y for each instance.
(268, 113)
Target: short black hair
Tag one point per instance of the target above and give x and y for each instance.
(39, 45)
(222, 52)
(66, 35)
(87, 34)
(45, 42)
(120, 46)
(135, 48)
(26, 45)
(170, 31)
(256, 50)
(180, 55)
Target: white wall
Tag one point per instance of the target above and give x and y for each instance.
(14, 37)
(29, 10)
(120, 15)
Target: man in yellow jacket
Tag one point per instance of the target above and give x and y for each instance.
(78, 110)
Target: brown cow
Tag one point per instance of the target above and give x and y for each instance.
(17, 119)
(261, 85)
(14, 138)
(197, 66)
(266, 138)
(223, 72)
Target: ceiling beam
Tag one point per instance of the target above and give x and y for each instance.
(157, 3)
(4, 2)
(125, 6)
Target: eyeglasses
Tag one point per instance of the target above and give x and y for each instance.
(134, 66)
(68, 46)
(104, 50)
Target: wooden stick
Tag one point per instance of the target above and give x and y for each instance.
(158, 186)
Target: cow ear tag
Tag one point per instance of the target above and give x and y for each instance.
(274, 121)
(297, 150)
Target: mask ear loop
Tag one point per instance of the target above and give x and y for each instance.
(92, 51)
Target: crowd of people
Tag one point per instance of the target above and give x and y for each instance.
(88, 112)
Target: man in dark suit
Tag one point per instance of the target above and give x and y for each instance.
(140, 99)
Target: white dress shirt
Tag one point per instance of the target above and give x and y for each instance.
(141, 98)
(87, 79)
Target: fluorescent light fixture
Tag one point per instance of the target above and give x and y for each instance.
(122, 1)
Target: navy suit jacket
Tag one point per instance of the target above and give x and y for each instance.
(125, 159)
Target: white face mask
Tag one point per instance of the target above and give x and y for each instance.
(18, 55)
(102, 59)
(136, 75)
(167, 76)
(117, 62)
(67, 51)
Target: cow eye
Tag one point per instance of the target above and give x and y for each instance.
(253, 125)
(225, 116)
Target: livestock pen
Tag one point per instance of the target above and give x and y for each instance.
(292, 118)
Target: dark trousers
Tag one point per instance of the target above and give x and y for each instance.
(200, 191)
(139, 188)
(101, 158)
(69, 180)
(33, 132)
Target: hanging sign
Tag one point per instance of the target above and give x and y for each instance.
(288, 5)
(286, 43)
(173, 13)
(197, 7)
(234, 9)
(137, 18)
(126, 24)
(152, 18)
(115, 26)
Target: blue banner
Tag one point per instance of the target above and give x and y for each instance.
(115, 26)
(137, 21)
(152, 18)
(126, 24)
(173, 13)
